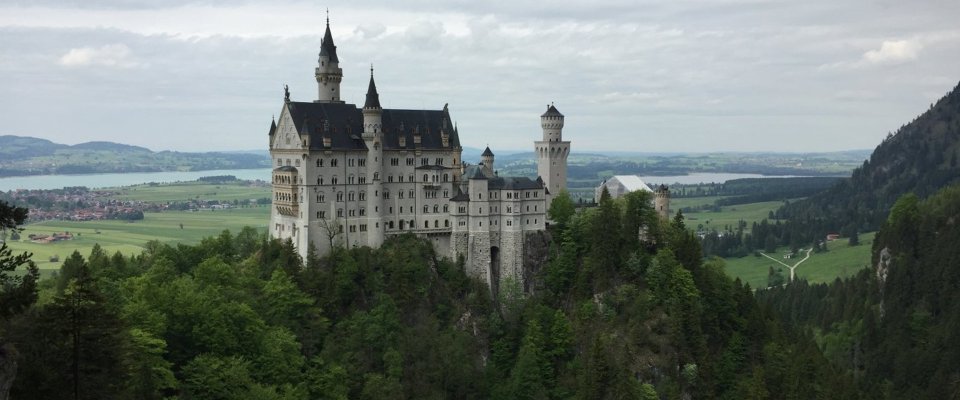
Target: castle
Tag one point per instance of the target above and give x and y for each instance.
(351, 176)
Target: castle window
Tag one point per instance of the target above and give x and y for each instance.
(339, 213)
(339, 196)
(391, 212)
(350, 162)
(479, 195)
(333, 162)
(534, 208)
(400, 177)
(350, 179)
(509, 209)
(376, 176)
(334, 180)
(400, 194)
(446, 223)
(411, 193)
(509, 195)
(320, 198)
(446, 208)
(394, 162)
(410, 161)
(390, 178)
(425, 178)
(412, 225)
(509, 223)
(352, 212)
(426, 209)
(351, 196)
(440, 161)
(363, 196)
(528, 195)
(362, 180)
(319, 162)
(411, 178)
(321, 214)
(436, 208)
(536, 194)
(426, 224)
(424, 161)
(446, 177)
(363, 227)
(363, 212)
(436, 223)
(446, 194)
(362, 162)
(320, 180)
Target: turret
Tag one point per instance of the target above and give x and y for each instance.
(372, 112)
(552, 124)
(328, 72)
(661, 201)
(487, 159)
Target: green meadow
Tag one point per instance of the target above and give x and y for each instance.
(728, 216)
(839, 261)
(130, 237)
(191, 191)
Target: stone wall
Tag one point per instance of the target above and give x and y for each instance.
(536, 253)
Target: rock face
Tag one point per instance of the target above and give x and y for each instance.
(536, 252)
(8, 369)
(882, 271)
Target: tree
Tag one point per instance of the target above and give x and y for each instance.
(17, 292)
(562, 208)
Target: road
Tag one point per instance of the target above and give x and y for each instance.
(794, 266)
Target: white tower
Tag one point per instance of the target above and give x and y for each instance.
(328, 72)
(552, 153)
(373, 138)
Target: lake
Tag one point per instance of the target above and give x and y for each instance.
(136, 178)
(122, 179)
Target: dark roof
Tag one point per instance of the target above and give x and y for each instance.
(273, 127)
(514, 183)
(487, 153)
(327, 48)
(343, 124)
(373, 98)
(286, 168)
(461, 196)
(475, 173)
(436, 167)
(552, 111)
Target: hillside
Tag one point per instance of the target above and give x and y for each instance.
(921, 157)
(895, 326)
(21, 156)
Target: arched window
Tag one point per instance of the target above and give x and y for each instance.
(376, 176)
(446, 177)
(425, 178)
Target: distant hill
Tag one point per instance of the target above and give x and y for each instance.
(21, 155)
(921, 157)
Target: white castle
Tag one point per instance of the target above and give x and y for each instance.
(350, 176)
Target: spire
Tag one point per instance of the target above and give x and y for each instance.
(373, 98)
(273, 126)
(487, 152)
(327, 48)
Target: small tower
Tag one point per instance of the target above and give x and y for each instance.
(552, 152)
(661, 202)
(487, 159)
(328, 72)
(373, 138)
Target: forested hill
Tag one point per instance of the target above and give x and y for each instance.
(921, 157)
(895, 326)
(241, 317)
(20, 155)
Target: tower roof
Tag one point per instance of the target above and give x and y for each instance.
(373, 98)
(273, 127)
(552, 112)
(327, 48)
(487, 152)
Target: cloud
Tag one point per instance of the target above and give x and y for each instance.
(893, 52)
(111, 55)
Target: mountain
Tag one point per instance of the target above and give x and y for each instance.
(21, 156)
(921, 158)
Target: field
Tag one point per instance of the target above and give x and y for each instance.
(728, 216)
(191, 190)
(129, 237)
(841, 260)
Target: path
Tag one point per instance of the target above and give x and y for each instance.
(794, 267)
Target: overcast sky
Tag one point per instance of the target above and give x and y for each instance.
(652, 76)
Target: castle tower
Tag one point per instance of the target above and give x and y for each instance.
(373, 138)
(487, 159)
(661, 202)
(328, 72)
(552, 153)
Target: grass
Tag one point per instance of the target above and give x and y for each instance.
(191, 190)
(841, 260)
(130, 237)
(729, 215)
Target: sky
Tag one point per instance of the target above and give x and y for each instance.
(630, 75)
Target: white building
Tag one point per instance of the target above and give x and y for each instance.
(620, 185)
(351, 176)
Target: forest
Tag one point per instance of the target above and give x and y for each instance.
(612, 315)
